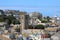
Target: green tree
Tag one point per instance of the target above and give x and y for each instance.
(15, 21)
(44, 21)
(9, 19)
(48, 19)
(1, 19)
(2, 13)
(39, 27)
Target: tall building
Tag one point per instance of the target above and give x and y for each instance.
(24, 21)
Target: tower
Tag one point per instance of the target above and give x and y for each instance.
(23, 21)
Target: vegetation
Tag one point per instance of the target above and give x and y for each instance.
(9, 19)
(12, 20)
(36, 27)
(39, 27)
(15, 21)
(48, 18)
(45, 19)
(1, 16)
(1, 19)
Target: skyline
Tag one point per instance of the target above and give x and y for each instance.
(47, 8)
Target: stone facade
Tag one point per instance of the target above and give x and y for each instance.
(24, 21)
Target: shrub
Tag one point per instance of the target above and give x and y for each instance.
(39, 27)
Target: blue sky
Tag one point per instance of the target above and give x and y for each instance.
(46, 7)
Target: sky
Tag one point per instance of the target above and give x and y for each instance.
(46, 7)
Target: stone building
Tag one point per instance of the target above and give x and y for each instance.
(24, 21)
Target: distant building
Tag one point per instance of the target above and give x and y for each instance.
(35, 21)
(15, 13)
(34, 18)
(55, 20)
(58, 21)
(24, 19)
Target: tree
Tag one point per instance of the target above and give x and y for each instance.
(11, 13)
(43, 21)
(39, 27)
(48, 18)
(15, 21)
(2, 13)
(9, 19)
(1, 19)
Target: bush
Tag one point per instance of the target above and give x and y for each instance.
(1, 19)
(44, 21)
(39, 27)
(36, 27)
(15, 21)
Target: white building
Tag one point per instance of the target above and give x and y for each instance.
(56, 20)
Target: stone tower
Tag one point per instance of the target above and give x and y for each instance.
(23, 21)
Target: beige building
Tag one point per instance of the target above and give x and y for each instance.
(24, 21)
